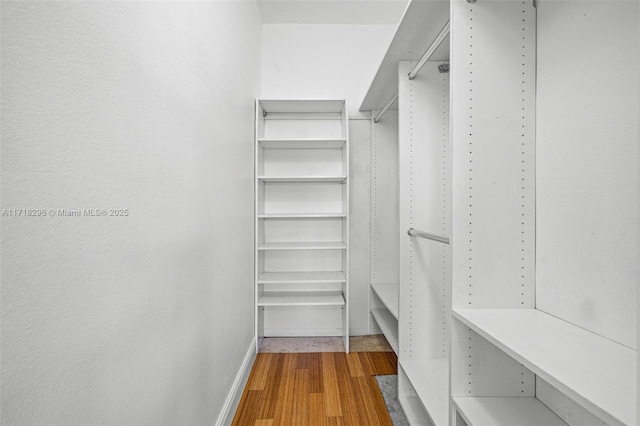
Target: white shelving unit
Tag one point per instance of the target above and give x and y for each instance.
(384, 261)
(545, 319)
(302, 211)
(420, 149)
(541, 314)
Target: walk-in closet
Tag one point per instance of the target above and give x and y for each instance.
(320, 212)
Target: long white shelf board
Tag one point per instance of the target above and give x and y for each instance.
(505, 412)
(301, 215)
(316, 245)
(301, 298)
(302, 105)
(420, 25)
(302, 179)
(388, 294)
(301, 143)
(389, 326)
(430, 379)
(302, 277)
(597, 373)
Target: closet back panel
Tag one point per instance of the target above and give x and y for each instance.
(493, 124)
(303, 260)
(318, 128)
(424, 153)
(303, 162)
(493, 242)
(587, 155)
(309, 321)
(302, 230)
(384, 200)
(302, 198)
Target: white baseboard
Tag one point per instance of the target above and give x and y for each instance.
(233, 398)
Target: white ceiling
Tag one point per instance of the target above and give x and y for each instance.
(352, 12)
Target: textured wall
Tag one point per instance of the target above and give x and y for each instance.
(145, 106)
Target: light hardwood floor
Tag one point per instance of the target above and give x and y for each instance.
(328, 388)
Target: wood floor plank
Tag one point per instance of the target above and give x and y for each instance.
(393, 358)
(381, 363)
(304, 360)
(365, 401)
(258, 377)
(284, 403)
(249, 413)
(365, 363)
(355, 368)
(271, 390)
(335, 421)
(317, 414)
(332, 404)
(315, 373)
(300, 415)
(351, 415)
(263, 422)
(378, 400)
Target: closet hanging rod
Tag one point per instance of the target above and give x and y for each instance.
(436, 43)
(386, 107)
(428, 236)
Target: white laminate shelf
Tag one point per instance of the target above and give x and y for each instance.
(301, 179)
(301, 298)
(430, 379)
(505, 412)
(319, 245)
(388, 295)
(302, 277)
(301, 215)
(389, 326)
(302, 106)
(301, 143)
(597, 373)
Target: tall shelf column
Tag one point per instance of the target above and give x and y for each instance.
(425, 265)
(302, 217)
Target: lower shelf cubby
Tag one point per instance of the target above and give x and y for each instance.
(389, 326)
(482, 411)
(430, 380)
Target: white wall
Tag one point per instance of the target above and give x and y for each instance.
(145, 106)
(322, 61)
(334, 61)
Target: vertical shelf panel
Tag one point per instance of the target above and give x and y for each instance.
(384, 228)
(425, 204)
(384, 200)
(493, 123)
